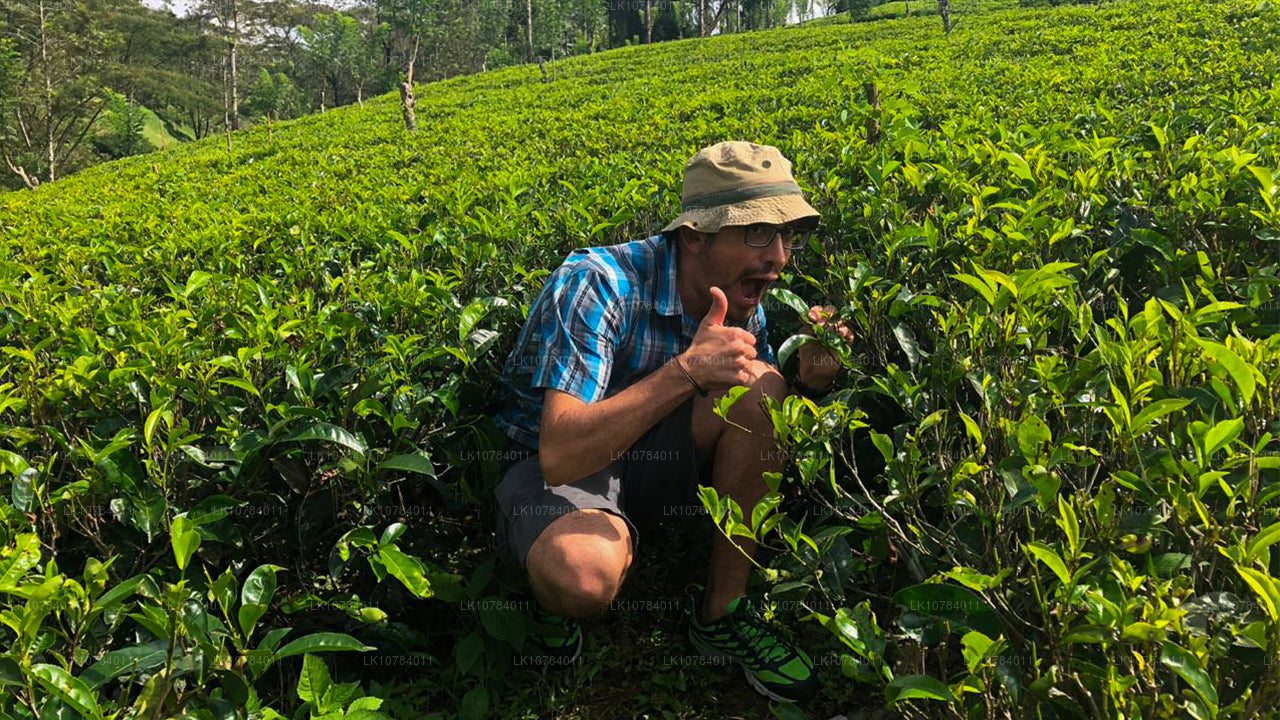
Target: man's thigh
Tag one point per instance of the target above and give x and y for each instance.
(708, 427)
(662, 471)
(655, 478)
(528, 506)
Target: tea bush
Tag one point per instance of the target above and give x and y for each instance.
(245, 383)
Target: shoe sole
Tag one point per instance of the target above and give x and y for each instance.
(577, 652)
(755, 684)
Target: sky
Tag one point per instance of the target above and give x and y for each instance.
(179, 7)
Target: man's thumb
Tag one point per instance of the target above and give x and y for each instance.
(719, 305)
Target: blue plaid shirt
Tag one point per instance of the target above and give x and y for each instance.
(607, 317)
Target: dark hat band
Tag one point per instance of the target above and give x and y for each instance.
(737, 195)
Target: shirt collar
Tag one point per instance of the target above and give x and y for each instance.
(667, 297)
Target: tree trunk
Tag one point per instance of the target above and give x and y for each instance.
(48, 97)
(944, 9)
(235, 41)
(873, 121)
(528, 26)
(648, 22)
(226, 96)
(702, 18)
(407, 99)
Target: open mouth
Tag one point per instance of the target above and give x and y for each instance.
(753, 288)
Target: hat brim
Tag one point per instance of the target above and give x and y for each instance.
(775, 210)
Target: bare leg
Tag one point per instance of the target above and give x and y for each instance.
(578, 563)
(739, 461)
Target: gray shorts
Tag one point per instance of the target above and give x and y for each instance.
(655, 478)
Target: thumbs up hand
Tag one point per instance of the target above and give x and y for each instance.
(720, 356)
(719, 306)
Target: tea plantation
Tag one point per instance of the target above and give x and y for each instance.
(245, 384)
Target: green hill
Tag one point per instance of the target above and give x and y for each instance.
(1048, 478)
(154, 132)
(160, 134)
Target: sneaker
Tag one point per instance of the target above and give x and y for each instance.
(773, 666)
(558, 639)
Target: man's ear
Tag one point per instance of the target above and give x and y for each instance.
(694, 241)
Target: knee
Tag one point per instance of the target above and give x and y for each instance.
(578, 575)
(585, 591)
(768, 382)
(578, 582)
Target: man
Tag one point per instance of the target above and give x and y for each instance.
(612, 384)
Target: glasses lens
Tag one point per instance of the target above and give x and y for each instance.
(758, 235)
(794, 239)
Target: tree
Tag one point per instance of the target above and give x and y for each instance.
(675, 21)
(528, 26)
(341, 51)
(58, 94)
(446, 37)
(273, 96)
(225, 18)
(123, 135)
(858, 9)
(944, 9)
(758, 14)
(168, 64)
(279, 47)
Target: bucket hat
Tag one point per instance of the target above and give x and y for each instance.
(740, 183)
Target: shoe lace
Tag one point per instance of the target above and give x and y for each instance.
(762, 640)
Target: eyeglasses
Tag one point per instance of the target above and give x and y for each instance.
(762, 235)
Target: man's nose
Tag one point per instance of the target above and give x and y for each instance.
(777, 253)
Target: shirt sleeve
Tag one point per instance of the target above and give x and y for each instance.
(764, 351)
(579, 325)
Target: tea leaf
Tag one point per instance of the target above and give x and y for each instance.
(322, 642)
(1070, 525)
(908, 687)
(314, 681)
(1146, 418)
(1237, 368)
(1221, 435)
(185, 539)
(1189, 669)
(1265, 587)
(416, 462)
(1265, 538)
(1052, 559)
(328, 433)
(71, 690)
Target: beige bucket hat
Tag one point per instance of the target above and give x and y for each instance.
(740, 183)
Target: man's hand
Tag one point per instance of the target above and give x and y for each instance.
(720, 356)
(819, 364)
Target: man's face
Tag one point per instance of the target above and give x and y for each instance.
(743, 272)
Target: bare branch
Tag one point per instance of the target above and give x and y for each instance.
(30, 182)
(22, 124)
(85, 131)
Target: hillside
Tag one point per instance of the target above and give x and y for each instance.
(258, 371)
